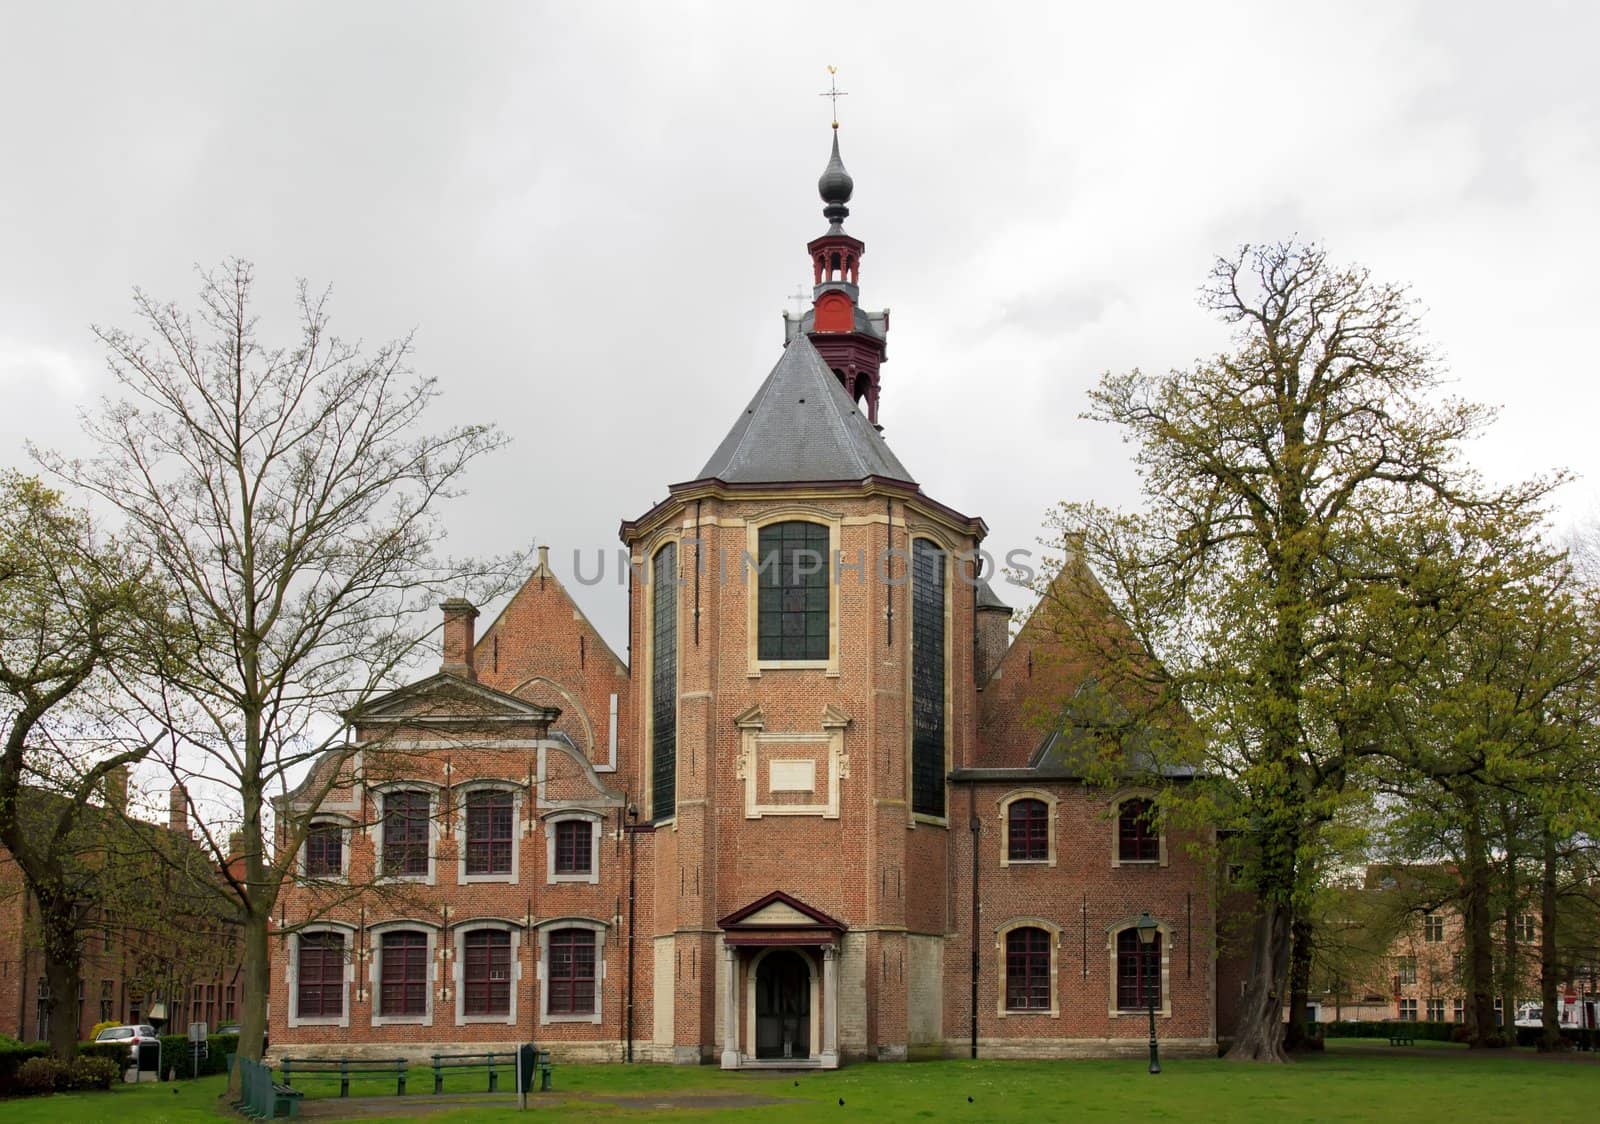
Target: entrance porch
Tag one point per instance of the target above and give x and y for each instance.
(781, 998)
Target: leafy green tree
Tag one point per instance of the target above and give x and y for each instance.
(1265, 473)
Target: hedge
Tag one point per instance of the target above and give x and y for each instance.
(1381, 1028)
(175, 1055)
(12, 1055)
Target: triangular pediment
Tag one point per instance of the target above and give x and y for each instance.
(451, 699)
(779, 910)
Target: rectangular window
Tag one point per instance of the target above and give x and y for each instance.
(792, 597)
(1138, 837)
(320, 984)
(1436, 1010)
(403, 989)
(1526, 929)
(108, 996)
(927, 678)
(1138, 971)
(574, 847)
(664, 683)
(1432, 928)
(1028, 970)
(490, 828)
(1461, 1011)
(486, 973)
(572, 974)
(1408, 1010)
(405, 833)
(228, 1004)
(325, 851)
(211, 1005)
(1405, 970)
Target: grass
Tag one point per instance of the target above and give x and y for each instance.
(1346, 1084)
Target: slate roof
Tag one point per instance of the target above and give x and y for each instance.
(802, 427)
(988, 598)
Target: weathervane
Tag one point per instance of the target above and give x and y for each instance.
(834, 92)
(799, 297)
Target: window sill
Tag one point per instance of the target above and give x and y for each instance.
(1029, 862)
(1137, 862)
(931, 821)
(319, 1021)
(593, 1018)
(1008, 1013)
(470, 879)
(475, 1020)
(1140, 1013)
(574, 876)
(402, 1020)
(419, 879)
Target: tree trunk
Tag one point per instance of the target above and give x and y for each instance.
(1296, 1033)
(1549, 970)
(1480, 943)
(1260, 1033)
(58, 924)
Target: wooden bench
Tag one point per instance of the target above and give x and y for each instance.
(1402, 1034)
(344, 1069)
(442, 1062)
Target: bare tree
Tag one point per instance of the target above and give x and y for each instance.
(287, 498)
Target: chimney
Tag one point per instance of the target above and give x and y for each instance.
(116, 792)
(459, 616)
(544, 558)
(178, 809)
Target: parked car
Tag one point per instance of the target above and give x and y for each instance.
(132, 1035)
(233, 1028)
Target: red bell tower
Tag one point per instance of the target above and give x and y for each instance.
(852, 340)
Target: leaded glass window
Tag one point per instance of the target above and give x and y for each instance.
(927, 678)
(792, 592)
(664, 683)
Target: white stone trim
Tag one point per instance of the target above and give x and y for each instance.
(752, 740)
(596, 826)
(1112, 932)
(1005, 802)
(1000, 1008)
(375, 935)
(380, 793)
(1117, 801)
(291, 974)
(458, 948)
(790, 513)
(488, 784)
(544, 929)
(346, 826)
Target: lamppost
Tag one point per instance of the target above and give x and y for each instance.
(1148, 929)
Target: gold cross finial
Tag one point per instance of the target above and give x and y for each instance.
(834, 92)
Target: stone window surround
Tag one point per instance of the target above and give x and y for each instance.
(1000, 1008)
(346, 827)
(597, 822)
(488, 784)
(952, 552)
(1112, 932)
(375, 832)
(1004, 804)
(458, 957)
(374, 952)
(1117, 801)
(291, 974)
(544, 929)
(790, 513)
(645, 562)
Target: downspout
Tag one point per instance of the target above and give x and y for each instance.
(633, 863)
(972, 819)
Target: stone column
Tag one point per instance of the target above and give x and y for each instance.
(830, 1007)
(730, 1010)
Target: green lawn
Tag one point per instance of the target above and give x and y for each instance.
(1345, 1085)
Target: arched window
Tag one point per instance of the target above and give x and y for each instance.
(1138, 833)
(319, 975)
(486, 972)
(1028, 831)
(927, 679)
(570, 973)
(1027, 970)
(664, 683)
(1138, 971)
(403, 974)
(792, 594)
(491, 829)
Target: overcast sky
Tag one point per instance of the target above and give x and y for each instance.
(593, 213)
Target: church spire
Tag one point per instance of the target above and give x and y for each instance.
(850, 339)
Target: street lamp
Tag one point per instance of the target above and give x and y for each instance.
(1147, 929)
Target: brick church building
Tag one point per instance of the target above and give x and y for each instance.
(812, 819)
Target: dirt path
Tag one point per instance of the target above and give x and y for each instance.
(358, 1108)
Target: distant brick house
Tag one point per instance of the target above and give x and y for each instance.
(776, 834)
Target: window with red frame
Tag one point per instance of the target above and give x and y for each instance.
(405, 833)
(1138, 836)
(489, 832)
(1138, 971)
(574, 847)
(486, 972)
(325, 851)
(320, 984)
(1027, 970)
(1028, 831)
(571, 974)
(403, 979)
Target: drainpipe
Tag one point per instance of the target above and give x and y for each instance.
(633, 862)
(972, 821)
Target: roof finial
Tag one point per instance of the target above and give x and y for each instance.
(834, 93)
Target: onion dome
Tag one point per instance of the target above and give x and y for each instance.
(835, 186)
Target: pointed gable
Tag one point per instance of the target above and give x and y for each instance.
(802, 427)
(780, 918)
(454, 701)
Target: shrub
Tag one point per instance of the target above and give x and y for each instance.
(98, 1027)
(41, 1075)
(110, 1051)
(93, 1073)
(176, 1054)
(12, 1056)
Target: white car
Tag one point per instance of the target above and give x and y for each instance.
(132, 1035)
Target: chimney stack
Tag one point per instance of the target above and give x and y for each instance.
(459, 615)
(544, 558)
(178, 809)
(116, 789)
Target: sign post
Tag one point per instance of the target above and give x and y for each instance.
(199, 1047)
